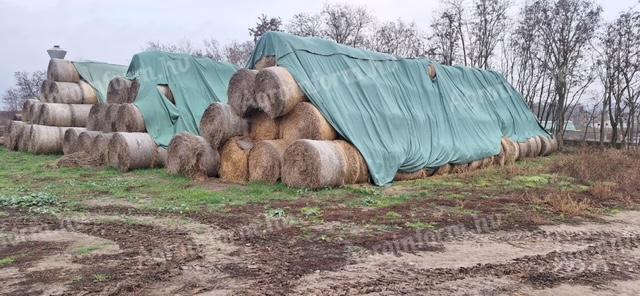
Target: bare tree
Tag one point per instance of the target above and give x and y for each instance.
(446, 34)
(346, 24)
(306, 25)
(211, 48)
(27, 87)
(487, 28)
(400, 39)
(238, 52)
(566, 28)
(264, 25)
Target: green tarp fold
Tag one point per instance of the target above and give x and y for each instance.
(195, 83)
(99, 75)
(397, 117)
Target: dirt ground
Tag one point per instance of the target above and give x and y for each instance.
(135, 254)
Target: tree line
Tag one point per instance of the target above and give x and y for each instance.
(559, 54)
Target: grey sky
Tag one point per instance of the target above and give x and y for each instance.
(114, 30)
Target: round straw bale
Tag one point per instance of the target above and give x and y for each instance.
(533, 147)
(97, 117)
(159, 159)
(85, 141)
(432, 72)
(487, 162)
(443, 170)
(27, 109)
(129, 119)
(62, 70)
(501, 158)
(459, 168)
(14, 133)
(166, 91)
(475, 165)
(545, 144)
(119, 91)
(241, 92)
(306, 122)
(45, 89)
(421, 174)
(36, 113)
(314, 164)
(46, 139)
(523, 150)
(234, 160)
(100, 147)
(277, 92)
(265, 161)
(70, 115)
(192, 156)
(356, 167)
(65, 93)
(177, 148)
(264, 128)
(89, 95)
(265, 62)
(219, 123)
(24, 140)
(510, 151)
(70, 140)
(554, 145)
(131, 151)
(111, 118)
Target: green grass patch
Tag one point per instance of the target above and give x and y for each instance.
(99, 278)
(7, 261)
(87, 250)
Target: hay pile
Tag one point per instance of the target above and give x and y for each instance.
(192, 156)
(65, 104)
(78, 159)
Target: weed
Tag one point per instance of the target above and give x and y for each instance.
(7, 261)
(99, 278)
(311, 213)
(87, 250)
(392, 216)
(276, 213)
(39, 202)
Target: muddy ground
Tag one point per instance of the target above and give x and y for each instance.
(123, 251)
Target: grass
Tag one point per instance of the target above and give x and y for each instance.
(99, 278)
(564, 185)
(7, 261)
(87, 250)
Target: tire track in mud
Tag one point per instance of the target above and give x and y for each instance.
(613, 256)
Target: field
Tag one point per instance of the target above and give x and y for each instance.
(561, 225)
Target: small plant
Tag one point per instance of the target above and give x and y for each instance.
(276, 213)
(420, 226)
(87, 250)
(39, 202)
(370, 201)
(392, 216)
(99, 278)
(7, 261)
(312, 213)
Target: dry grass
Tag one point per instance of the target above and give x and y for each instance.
(565, 204)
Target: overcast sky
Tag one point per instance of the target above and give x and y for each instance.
(113, 30)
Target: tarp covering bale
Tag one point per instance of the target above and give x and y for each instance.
(265, 161)
(195, 83)
(98, 75)
(234, 158)
(131, 151)
(241, 92)
(276, 92)
(392, 111)
(306, 122)
(219, 124)
(129, 119)
(317, 164)
(70, 140)
(69, 115)
(262, 127)
(192, 156)
(46, 139)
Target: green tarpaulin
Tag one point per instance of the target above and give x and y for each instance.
(195, 83)
(391, 110)
(99, 75)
